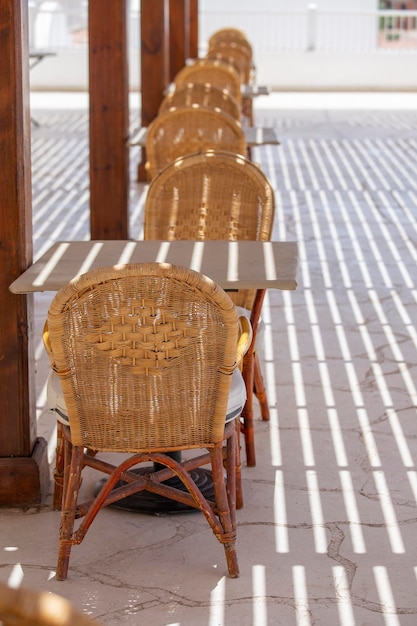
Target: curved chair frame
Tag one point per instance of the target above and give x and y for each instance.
(144, 354)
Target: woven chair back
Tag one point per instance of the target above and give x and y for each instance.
(218, 72)
(144, 353)
(183, 130)
(235, 54)
(211, 195)
(205, 94)
(228, 35)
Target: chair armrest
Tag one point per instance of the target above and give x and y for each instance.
(245, 339)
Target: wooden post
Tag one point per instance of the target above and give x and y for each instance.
(178, 35)
(109, 119)
(154, 62)
(193, 29)
(24, 473)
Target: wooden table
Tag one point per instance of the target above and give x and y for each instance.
(255, 136)
(253, 91)
(233, 265)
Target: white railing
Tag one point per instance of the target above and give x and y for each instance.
(306, 48)
(62, 24)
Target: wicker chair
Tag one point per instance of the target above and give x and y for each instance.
(233, 52)
(184, 130)
(218, 195)
(145, 354)
(215, 71)
(228, 35)
(24, 607)
(205, 94)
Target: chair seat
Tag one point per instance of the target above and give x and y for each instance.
(56, 402)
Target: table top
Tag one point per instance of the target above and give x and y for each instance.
(255, 136)
(252, 91)
(233, 265)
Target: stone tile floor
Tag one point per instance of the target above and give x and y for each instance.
(327, 534)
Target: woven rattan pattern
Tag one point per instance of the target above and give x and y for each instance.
(206, 94)
(184, 130)
(144, 354)
(211, 195)
(215, 71)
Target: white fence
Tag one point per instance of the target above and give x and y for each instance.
(300, 49)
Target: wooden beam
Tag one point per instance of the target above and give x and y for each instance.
(154, 62)
(24, 474)
(109, 119)
(193, 29)
(178, 35)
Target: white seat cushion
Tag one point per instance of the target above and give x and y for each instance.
(56, 402)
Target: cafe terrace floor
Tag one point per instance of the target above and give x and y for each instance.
(328, 532)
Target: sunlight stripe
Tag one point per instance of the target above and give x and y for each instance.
(280, 514)
(302, 609)
(343, 596)
(352, 512)
(324, 146)
(217, 604)
(393, 530)
(295, 162)
(354, 156)
(319, 530)
(312, 145)
(341, 153)
(259, 609)
(386, 597)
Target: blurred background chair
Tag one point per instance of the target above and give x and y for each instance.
(215, 71)
(232, 45)
(26, 607)
(205, 94)
(218, 195)
(230, 35)
(183, 130)
(145, 354)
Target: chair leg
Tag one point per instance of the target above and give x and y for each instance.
(247, 414)
(228, 536)
(59, 469)
(259, 389)
(74, 456)
(236, 458)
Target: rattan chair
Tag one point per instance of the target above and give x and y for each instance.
(205, 94)
(218, 195)
(215, 71)
(25, 607)
(183, 130)
(234, 53)
(145, 354)
(228, 35)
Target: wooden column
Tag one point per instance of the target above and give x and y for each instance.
(154, 62)
(24, 474)
(109, 119)
(193, 28)
(178, 35)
